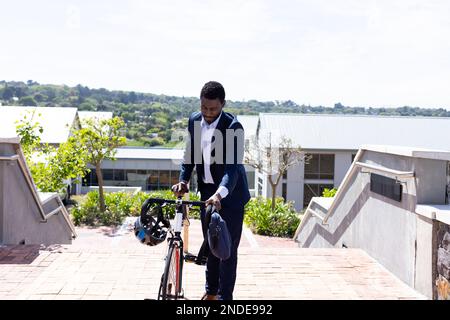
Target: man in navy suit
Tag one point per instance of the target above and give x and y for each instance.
(216, 148)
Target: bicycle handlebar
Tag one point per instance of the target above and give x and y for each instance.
(179, 201)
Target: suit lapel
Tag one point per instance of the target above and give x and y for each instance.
(222, 125)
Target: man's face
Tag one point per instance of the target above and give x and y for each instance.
(210, 109)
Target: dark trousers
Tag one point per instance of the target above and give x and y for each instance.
(221, 274)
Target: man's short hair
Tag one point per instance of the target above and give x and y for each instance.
(213, 90)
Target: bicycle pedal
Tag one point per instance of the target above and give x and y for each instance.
(188, 257)
(201, 262)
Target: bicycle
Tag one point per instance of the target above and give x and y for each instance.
(171, 280)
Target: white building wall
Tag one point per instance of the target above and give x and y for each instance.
(295, 184)
(342, 162)
(144, 164)
(296, 178)
(263, 177)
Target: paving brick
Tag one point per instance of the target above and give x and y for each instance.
(98, 266)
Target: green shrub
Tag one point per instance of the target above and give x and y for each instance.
(280, 223)
(120, 205)
(86, 211)
(329, 193)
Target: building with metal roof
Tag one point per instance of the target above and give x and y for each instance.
(100, 115)
(249, 123)
(57, 122)
(156, 168)
(147, 168)
(350, 132)
(331, 142)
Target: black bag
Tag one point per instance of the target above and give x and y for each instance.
(218, 239)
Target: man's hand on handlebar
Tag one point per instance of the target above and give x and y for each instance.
(180, 188)
(215, 201)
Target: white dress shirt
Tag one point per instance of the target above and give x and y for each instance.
(207, 133)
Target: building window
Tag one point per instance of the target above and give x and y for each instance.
(313, 190)
(164, 179)
(90, 179)
(353, 157)
(260, 186)
(107, 174)
(147, 179)
(152, 180)
(174, 177)
(319, 166)
(285, 174)
(136, 178)
(87, 179)
(251, 179)
(119, 175)
(385, 186)
(284, 190)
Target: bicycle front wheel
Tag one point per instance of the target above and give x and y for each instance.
(170, 288)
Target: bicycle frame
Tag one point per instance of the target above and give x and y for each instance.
(175, 254)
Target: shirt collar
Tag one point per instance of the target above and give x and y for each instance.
(213, 125)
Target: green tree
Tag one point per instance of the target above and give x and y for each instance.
(272, 160)
(8, 93)
(50, 166)
(29, 133)
(100, 138)
(152, 142)
(27, 101)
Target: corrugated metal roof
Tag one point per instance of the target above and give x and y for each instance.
(250, 123)
(56, 121)
(101, 115)
(149, 153)
(351, 132)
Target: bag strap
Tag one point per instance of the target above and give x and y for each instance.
(204, 249)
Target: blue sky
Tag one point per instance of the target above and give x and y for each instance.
(358, 52)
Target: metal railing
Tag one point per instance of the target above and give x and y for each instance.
(39, 203)
(356, 164)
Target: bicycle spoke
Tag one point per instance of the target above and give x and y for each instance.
(171, 283)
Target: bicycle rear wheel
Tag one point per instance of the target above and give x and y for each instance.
(170, 288)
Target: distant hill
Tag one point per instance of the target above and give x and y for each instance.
(151, 118)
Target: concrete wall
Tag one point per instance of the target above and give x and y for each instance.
(431, 176)
(424, 256)
(2, 191)
(431, 180)
(389, 231)
(312, 235)
(21, 220)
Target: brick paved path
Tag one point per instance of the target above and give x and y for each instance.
(110, 264)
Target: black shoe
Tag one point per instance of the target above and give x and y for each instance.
(201, 261)
(209, 297)
(189, 257)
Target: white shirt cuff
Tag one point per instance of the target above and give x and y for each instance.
(222, 191)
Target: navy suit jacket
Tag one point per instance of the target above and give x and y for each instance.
(230, 172)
